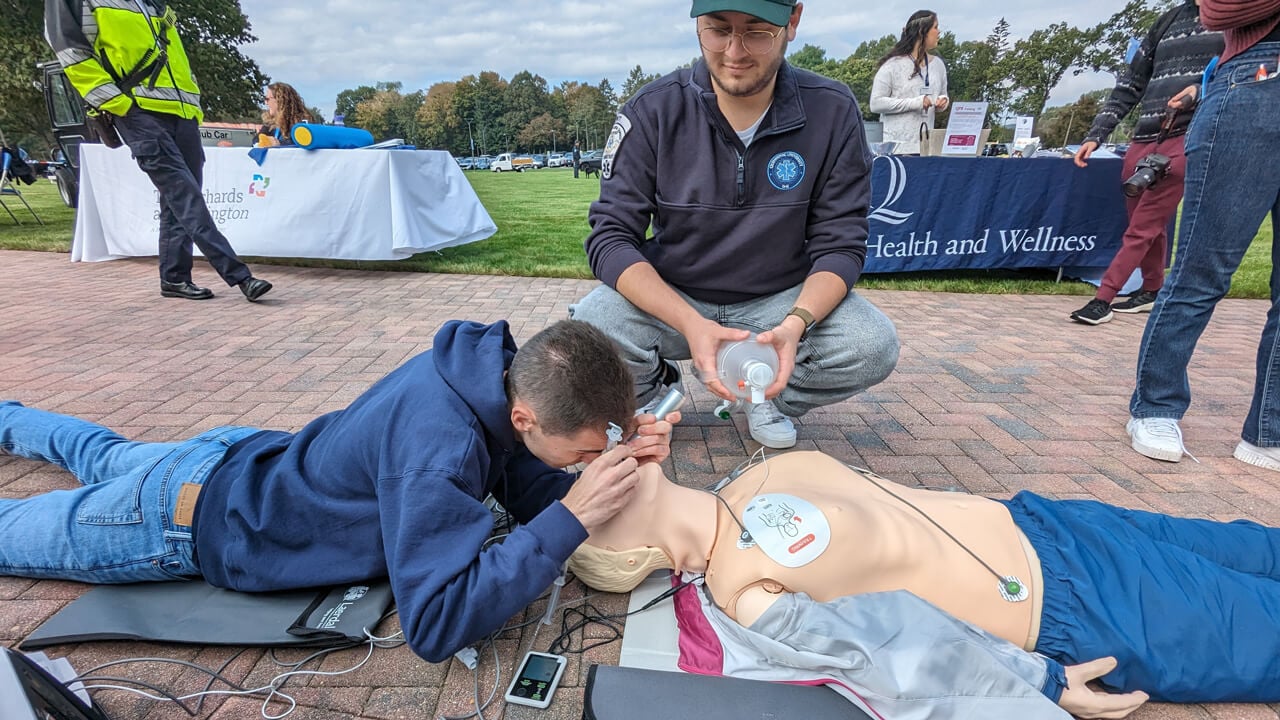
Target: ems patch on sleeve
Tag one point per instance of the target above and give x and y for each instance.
(621, 127)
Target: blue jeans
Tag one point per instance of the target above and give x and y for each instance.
(1233, 181)
(118, 527)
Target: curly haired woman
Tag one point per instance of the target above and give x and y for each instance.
(284, 110)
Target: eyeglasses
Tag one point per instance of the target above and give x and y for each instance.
(755, 42)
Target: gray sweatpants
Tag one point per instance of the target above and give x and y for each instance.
(853, 348)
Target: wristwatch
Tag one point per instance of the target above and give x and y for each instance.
(806, 317)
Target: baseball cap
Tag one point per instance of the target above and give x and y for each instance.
(774, 12)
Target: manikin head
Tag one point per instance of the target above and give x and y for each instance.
(744, 41)
(620, 554)
(616, 571)
(564, 387)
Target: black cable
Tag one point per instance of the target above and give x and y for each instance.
(563, 643)
(173, 661)
(214, 676)
(589, 614)
(158, 690)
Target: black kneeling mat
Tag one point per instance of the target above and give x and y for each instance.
(623, 693)
(196, 612)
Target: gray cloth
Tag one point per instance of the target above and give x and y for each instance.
(853, 348)
(930, 667)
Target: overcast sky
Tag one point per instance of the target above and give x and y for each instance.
(324, 46)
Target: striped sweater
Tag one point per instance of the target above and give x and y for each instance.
(1165, 63)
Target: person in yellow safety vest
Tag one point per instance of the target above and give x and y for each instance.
(126, 59)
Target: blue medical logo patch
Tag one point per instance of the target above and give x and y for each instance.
(786, 170)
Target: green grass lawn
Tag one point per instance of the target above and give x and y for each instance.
(542, 220)
(54, 235)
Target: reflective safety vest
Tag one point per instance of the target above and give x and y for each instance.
(115, 50)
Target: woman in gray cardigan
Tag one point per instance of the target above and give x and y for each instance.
(911, 84)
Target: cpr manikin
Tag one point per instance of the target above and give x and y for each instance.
(803, 522)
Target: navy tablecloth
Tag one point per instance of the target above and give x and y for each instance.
(939, 213)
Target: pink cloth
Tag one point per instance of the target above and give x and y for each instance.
(700, 650)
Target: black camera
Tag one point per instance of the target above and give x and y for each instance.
(1150, 170)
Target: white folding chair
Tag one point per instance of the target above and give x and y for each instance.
(8, 188)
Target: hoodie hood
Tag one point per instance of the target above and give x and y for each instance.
(472, 359)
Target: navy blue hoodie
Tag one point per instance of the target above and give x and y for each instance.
(394, 486)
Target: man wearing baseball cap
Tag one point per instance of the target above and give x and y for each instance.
(733, 200)
(774, 12)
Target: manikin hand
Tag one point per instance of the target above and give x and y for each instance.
(604, 488)
(1084, 702)
(654, 441)
(704, 341)
(1086, 149)
(785, 339)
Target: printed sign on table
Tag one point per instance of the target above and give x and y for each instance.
(1022, 127)
(964, 128)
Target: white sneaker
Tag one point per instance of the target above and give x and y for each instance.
(1157, 438)
(1263, 457)
(771, 428)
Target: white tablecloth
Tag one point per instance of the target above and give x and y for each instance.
(343, 204)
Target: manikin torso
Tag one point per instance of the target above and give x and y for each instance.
(876, 543)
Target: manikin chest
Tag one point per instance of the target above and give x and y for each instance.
(807, 523)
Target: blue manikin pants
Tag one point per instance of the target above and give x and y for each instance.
(1189, 608)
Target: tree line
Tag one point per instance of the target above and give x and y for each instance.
(1014, 77)
(485, 113)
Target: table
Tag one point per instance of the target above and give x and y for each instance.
(939, 213)
(374, 204)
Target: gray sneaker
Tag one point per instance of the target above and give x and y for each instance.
(1157, 438)
(771, 428)
(1139, 302)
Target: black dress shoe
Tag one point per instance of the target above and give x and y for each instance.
(186, 289)
(254, 288)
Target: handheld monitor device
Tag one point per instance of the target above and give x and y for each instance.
(537, 680)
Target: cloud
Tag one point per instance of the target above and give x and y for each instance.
(325, 46)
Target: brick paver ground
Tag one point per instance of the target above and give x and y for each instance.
(992, 395)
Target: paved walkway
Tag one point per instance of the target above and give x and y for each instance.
(993, 395)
